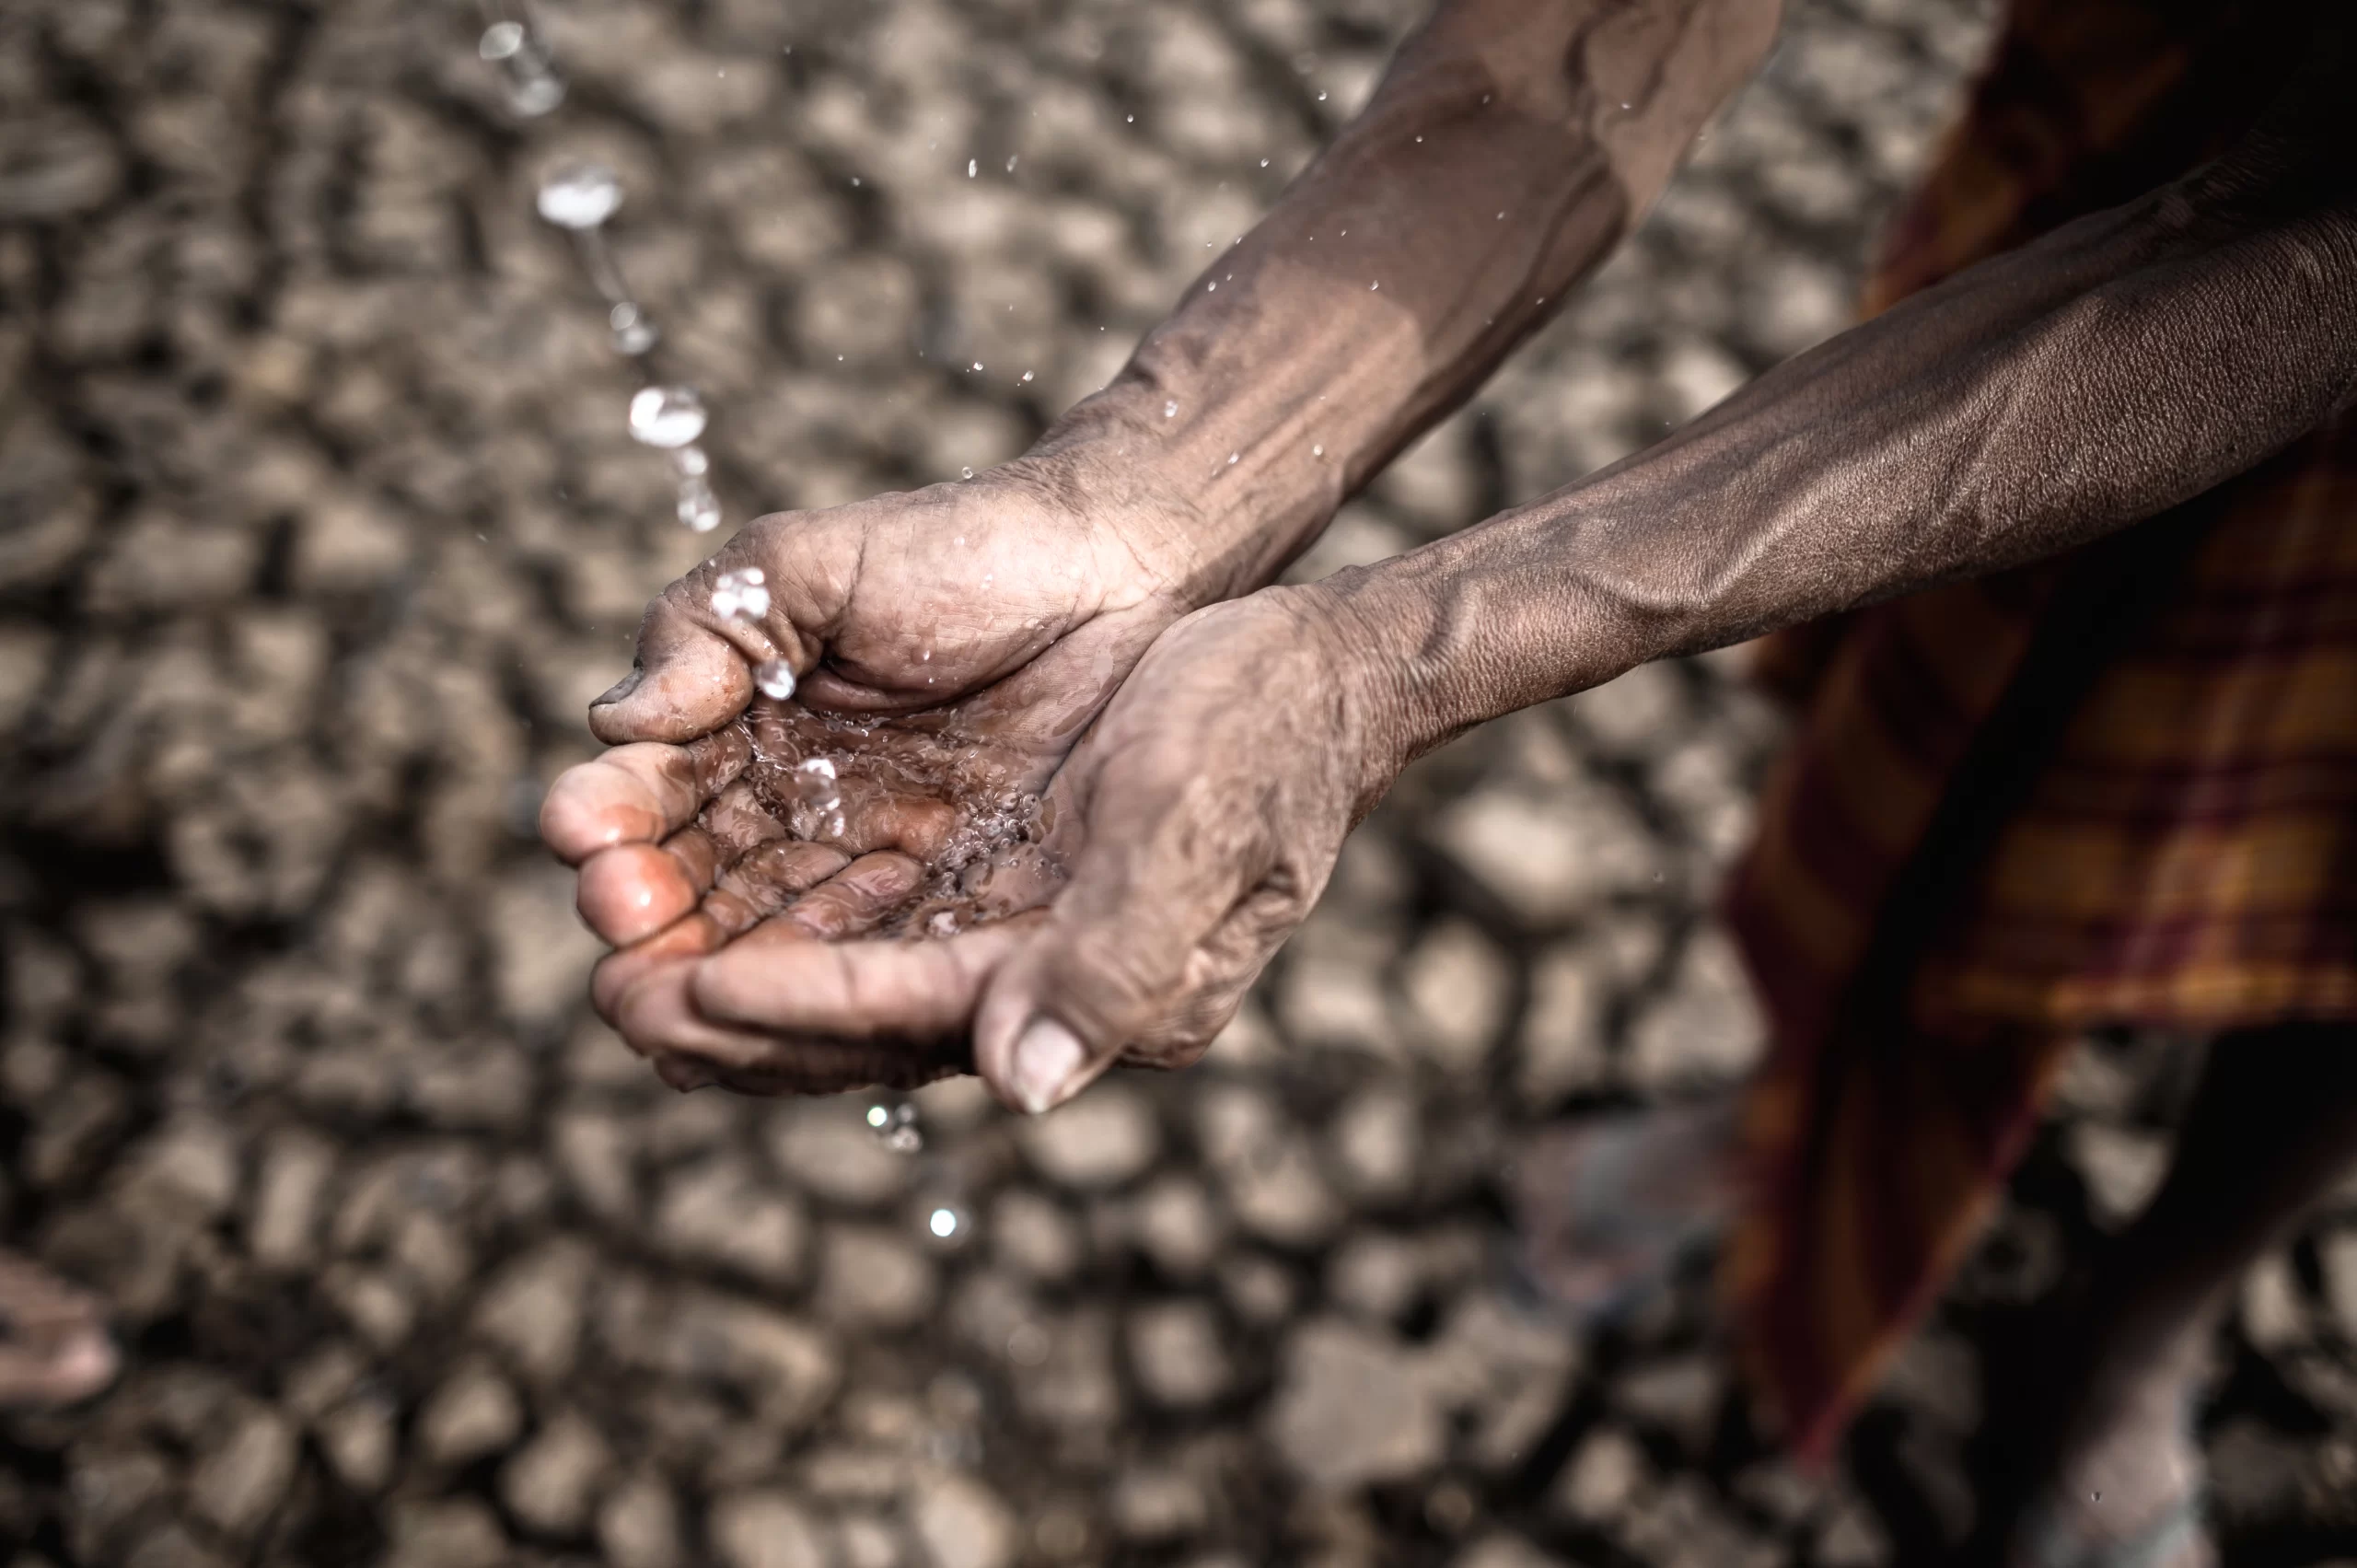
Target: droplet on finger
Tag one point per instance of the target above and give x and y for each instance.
(776, 679)
(742, 595)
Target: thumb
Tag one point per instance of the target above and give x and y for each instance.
(688, 680)
(1125, 947)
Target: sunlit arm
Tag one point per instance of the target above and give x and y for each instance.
(2120, 365)
(1510, 146)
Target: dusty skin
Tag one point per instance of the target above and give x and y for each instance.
(2024, 406)
(1505, 153)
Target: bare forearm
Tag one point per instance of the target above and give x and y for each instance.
(1509, 148)
(2122, 366)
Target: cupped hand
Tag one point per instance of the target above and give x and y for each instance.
(1010, 589)
(1187, 836)
(951, 645)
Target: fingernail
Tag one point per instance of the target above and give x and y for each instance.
(619, 689)
(1047, 1058)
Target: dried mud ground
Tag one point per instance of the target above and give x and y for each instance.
(318, 529)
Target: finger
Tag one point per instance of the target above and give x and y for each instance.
(876, 818)
(631, 891)
(1123, 944)
(682, 942)
(768, 879)
(738, 820)
(688, 679)
(659, 1017)
(855, 899)
(902, 991)
(638, 793)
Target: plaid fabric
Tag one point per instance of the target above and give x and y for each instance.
(2116, 788)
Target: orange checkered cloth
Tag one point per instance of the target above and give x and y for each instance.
(2118, 788)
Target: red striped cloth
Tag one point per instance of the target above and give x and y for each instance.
(1987, 839)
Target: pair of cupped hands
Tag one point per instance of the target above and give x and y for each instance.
(1042, 628)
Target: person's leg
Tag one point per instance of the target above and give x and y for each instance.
(53, 1345)
(2095, 1460)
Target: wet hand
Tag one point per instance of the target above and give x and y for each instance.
(950, 644)
(1182, 841)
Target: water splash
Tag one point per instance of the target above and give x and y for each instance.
(818, 808)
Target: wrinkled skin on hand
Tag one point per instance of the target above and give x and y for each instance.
(1173, 852)
(1203, 815)
(953, 642)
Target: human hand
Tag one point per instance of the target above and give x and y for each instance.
(1006, 583)
(1186, 837)
(953, 643)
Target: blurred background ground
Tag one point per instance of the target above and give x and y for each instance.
(318, 529)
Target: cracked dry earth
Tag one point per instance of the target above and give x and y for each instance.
(318, 529)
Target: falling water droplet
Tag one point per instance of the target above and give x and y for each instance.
(776, 678)
(1170, 409)
(526, 68)
(947, 1223)
(1010, 162)
(893, 1119)
(665, 416)
(698, 508)
(579, 195)
(2095, 1496)
(970, 166)
(691, 463)
(634, 333)
(964, 474)
(1316, 451)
